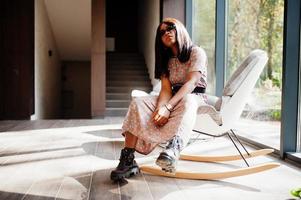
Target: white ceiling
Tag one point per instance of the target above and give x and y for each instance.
(71, 25)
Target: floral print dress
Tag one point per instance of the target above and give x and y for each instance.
(182, 118)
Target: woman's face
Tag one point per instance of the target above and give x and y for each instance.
(168, 35)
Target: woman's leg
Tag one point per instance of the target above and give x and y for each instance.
(127, 166)
(168, 158)
(130, 140)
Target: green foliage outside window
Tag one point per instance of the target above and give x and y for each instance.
(251, 24)
(256, 24)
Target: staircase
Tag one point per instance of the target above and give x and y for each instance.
(125, 72)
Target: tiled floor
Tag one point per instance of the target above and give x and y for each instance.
(72, 159)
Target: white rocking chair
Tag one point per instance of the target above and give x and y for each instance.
(217, 119)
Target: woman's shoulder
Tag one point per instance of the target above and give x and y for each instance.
(198, 51)
(196, 48)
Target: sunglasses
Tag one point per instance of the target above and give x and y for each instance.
(168, 28)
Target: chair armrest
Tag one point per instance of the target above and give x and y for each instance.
(214, 101)
(212, 112)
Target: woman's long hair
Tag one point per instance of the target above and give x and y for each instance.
(162, 54)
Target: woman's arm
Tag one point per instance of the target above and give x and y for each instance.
(161, 113)
(165, 92)
(192, 81)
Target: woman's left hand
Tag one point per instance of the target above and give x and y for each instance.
(160, 116)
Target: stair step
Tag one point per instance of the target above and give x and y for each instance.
(122, 70)
(117, 103)
(126, 67)
(126, 72)
(125, 59)
(123, 55)
(112, 89)
(125, 62)
(127, 77)
(133, 72)
(118, 96)
(116, 111)
(128, 83)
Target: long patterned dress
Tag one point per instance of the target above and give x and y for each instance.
(181, 121)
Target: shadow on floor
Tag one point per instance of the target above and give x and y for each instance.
(19, 196)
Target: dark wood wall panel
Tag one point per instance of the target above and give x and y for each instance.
(17, 63)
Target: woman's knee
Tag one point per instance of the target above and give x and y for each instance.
(150, 100)
(189, 101)
(137, 100)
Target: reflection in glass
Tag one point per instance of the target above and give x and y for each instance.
(256, 24)
(203, 34)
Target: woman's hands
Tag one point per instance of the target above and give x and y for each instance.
(160, 116)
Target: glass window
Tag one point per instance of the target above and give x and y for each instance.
(256, 24)
(203, 34)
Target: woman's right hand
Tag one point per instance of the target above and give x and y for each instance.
(160, 116)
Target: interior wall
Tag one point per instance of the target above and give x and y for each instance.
(98, 59)
(71, 25)
(47, 67)
(76, 89)
(148, 21)
(174, 8)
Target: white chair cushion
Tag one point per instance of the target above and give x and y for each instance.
(212, 112)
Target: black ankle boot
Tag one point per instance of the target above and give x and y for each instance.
(169, 157)
(127, 166)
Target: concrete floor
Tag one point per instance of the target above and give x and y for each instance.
(72, 159)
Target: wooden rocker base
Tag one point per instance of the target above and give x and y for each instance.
(211, 175)
(215, 175)
(218, 158)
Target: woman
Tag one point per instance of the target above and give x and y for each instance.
(169, 117)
